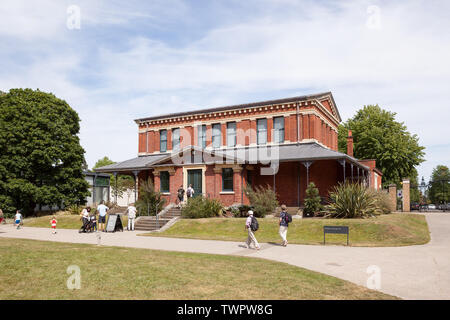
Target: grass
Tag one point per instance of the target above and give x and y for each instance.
(397, 229)
(64, 222)
(32, 269)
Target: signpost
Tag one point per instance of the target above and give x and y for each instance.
(335, 230)
(114, 223)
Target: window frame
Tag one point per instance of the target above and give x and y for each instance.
(233, 135)
(259, 131)
(176, 143)
(275, 130)
(201, 136)
(216, 137)
(161, 149)
(166, 174)
(228, 179)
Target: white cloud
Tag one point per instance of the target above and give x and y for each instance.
(269, 49)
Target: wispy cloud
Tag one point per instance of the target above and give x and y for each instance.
(139, 58)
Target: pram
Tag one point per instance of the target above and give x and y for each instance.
(88, 226)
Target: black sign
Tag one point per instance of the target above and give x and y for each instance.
(114, 223)
(335, 230)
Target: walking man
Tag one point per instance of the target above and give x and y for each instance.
(131, 210)
(285, 218)
(249, 223)
(180, 195)
(102, 209)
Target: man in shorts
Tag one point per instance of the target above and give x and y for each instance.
(18, 219)
(102, 209)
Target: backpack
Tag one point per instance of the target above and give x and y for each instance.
(254, 225)
(287, 218)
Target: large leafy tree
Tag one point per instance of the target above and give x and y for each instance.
(439, 191)
(377, 135)
(41, 157)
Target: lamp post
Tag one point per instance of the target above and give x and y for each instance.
(423, 188)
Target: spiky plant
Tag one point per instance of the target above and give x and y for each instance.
(352, 200)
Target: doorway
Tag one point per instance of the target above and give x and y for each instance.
(194, 177)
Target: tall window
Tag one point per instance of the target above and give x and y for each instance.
(278, 130)
(227, 179)
(163, 140)
(176, 139)
(201, 130)
(231, 134)
(216, 135)
(261, 128)
(165, 181)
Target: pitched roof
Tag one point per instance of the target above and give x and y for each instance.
(260, 154)
(243, 106)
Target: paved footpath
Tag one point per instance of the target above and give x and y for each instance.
(413, 272)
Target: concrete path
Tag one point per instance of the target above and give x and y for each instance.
(414, 272)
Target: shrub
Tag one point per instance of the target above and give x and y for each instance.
(352, 200)
(150, 201)
(201, 207)
(382, 201)
(262, 200)
(75, 209)
(312, 200)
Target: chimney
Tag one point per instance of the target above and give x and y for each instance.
(350, 143)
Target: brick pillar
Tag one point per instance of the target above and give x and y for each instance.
(406, 196)
(393, 196)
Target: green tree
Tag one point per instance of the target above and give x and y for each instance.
(312, 200)
(41, 157)
(439, 191)
(377, 135)
(124, 182)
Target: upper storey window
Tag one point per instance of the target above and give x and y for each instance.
(163, 140)
(201, 130)
(176, 139)
(231, 134)
(261, 128)
(278, 130)
(216, 135)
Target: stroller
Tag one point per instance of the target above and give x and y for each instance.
(88, 226)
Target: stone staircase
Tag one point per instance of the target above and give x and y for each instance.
(150, 223)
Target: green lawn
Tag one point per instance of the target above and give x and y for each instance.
(64, 222)
(32, 269)
(397, 229)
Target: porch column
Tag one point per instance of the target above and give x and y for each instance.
(342, 162)
(115, 184)
(307, 164)
(93, 189)
(135, 176)
(237, 183)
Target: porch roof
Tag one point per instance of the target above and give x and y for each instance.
(284, 153)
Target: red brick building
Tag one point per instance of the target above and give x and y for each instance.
(283, 143)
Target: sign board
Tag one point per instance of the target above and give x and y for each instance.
(114, 223)
(335, 230)
(400, 193)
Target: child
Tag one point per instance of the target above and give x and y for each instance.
(53, 223)
(94, 222)
(18, 219)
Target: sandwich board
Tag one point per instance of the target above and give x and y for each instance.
(114, 223)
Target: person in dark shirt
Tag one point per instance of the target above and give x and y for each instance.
(284, 224)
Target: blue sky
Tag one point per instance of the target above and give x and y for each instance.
(133, 59)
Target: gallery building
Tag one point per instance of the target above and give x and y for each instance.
(284, 143)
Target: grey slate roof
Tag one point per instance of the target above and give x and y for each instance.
(133, 164)
(262, 154)
(243, 106)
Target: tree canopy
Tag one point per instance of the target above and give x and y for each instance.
(439, 191)
(377, 135)
(41, 159)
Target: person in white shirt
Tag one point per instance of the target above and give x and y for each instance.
(190, 192)
(18, 219)
(102, 209)
(131, 210)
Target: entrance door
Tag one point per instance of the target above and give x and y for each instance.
(195, 178)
